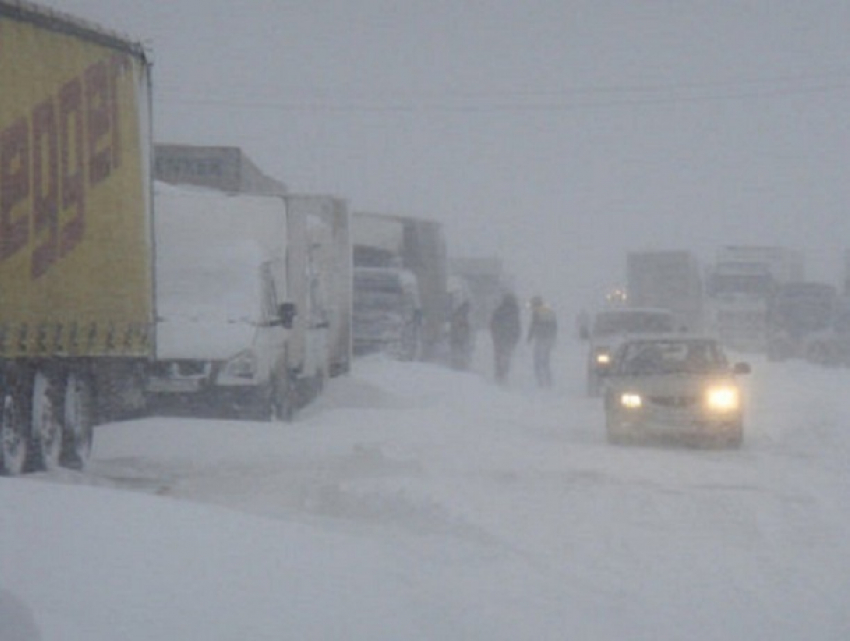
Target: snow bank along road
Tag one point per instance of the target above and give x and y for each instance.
(634, 540)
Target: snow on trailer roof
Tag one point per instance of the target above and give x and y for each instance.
(202, 216)
(61, 22)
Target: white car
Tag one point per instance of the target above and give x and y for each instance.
(674, 386)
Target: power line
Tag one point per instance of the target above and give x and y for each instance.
(567, 100)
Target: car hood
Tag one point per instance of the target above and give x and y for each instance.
(670, 384)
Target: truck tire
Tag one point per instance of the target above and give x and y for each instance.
(45, 426)
(78, 414)
(14, 436)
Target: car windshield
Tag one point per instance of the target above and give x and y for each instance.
(642, 358)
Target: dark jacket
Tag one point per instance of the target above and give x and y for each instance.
(505, 323)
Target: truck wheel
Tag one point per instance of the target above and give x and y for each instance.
(79, 420)
(13, 437)
(46, 431)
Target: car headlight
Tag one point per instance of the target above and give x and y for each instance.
(631, 400)
(723, 398)
(603, 358)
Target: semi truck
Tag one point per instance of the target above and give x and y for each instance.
(668, 279)
(409, 244)
(800, 318)
(387, 313)
(244, 303)
(76, 262)
(740, 289)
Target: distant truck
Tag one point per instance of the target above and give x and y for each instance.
(387, 315)
(668, 280)
(76, 266)
(740, 288)
(242, 324)
(417, 246)
(830, 346)
(800, 317)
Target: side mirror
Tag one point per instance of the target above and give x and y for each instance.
(287, 312)
(741, 368)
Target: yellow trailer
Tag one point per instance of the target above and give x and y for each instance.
(76, 274)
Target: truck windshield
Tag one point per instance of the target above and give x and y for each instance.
(377, 290)
(210, 283)
(749, 284)
(632, 322)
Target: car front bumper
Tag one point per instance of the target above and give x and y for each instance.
(685, 425)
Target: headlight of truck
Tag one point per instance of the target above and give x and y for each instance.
(243, 365)
(631, 400)
(722, 398)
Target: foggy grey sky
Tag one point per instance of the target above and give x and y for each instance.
(557, 134)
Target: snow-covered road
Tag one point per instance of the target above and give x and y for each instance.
(502, 513)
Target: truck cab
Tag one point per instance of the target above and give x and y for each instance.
(227, 340)
(799, 311)
(387, 313)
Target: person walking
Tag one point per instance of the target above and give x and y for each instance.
(542, 331)
(506, 329)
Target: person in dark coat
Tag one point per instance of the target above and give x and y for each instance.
(543, 332)
(506, 330)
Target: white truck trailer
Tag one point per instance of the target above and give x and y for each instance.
(76, 266)
(740, 288)
(668, 279)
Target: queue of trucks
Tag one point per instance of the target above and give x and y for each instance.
(122, 294)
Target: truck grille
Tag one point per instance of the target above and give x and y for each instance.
(674, 401)
(180, 368)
